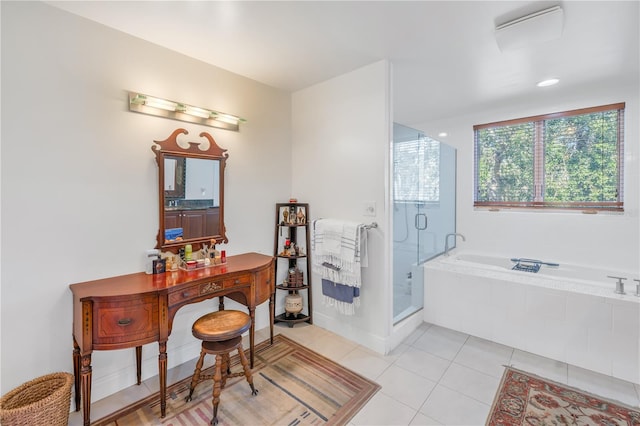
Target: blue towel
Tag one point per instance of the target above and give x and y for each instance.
(340, 292)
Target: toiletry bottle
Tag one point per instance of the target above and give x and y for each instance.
(150, 256)
(187, 252)
(223, 256)
(215, 255)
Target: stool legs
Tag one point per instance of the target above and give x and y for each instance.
(225, 369)
(196, 375)
(247, 370)
(222, 370)
(217, 387)
(220, 379)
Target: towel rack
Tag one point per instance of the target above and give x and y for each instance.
(369, 226)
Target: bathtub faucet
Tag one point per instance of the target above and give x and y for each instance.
(446, 242)
(619, 284)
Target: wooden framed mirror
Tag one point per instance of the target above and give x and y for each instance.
(190, 192)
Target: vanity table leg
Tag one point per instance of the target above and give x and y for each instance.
(272, 312)
(85, 373)
(138, 364)
(162, 368)
(76, 373)
(252, 329)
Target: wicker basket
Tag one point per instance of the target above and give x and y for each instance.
(44, 401)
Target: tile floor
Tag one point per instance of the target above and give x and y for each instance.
(436, 376)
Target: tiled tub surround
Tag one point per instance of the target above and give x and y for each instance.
(570, 313)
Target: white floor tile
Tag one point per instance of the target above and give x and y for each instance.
(417, 333)
(453, 408)
(541, 366)
(384, 410)
(441, 342)
(471, 383)
(422, 420)
(425, 364)
(484, 356)
(397, 352)
(365, 362)
(405, 386)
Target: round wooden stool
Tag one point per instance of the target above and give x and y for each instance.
(221, 333)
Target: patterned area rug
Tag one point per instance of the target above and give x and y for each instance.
(296, 386)
(525, 399)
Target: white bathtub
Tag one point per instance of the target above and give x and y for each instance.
(568, 313)
(574, 278)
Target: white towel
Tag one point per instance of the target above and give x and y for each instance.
(339, 251)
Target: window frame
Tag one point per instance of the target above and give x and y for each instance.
(539, 158)
(431, 194)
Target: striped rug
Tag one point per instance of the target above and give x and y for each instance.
(296, 386)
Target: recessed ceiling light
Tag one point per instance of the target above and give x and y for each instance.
(549, 82)
(443, 134)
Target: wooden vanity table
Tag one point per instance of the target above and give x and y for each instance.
(132, 310)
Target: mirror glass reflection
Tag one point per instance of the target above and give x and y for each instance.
(191, 198)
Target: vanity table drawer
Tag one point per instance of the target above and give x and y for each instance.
(184, 294)
(194, 291)
(126, 320)
(241, 280)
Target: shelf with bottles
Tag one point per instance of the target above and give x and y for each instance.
(293, 269)
(293, 280)
(291, 250)
(292, 214)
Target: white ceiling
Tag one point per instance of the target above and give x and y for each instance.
(445, 59)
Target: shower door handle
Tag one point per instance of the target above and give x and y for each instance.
(417, 221)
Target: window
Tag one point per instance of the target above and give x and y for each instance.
(416, 165)
(568, 160)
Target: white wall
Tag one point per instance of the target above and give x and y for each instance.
(79, 179)
(341, 131)
(607, 240)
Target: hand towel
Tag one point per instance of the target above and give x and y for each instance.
(339, 255)
(339, 250)
(343, 297)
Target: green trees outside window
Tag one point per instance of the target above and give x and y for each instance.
(570, 160)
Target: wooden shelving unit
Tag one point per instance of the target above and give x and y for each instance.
(291, 247)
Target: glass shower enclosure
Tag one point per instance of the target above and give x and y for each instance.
(424, 195)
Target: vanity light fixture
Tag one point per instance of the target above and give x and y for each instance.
(159, 107)
(200, 112)
(161, 104)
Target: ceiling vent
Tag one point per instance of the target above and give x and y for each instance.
(545, 25)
